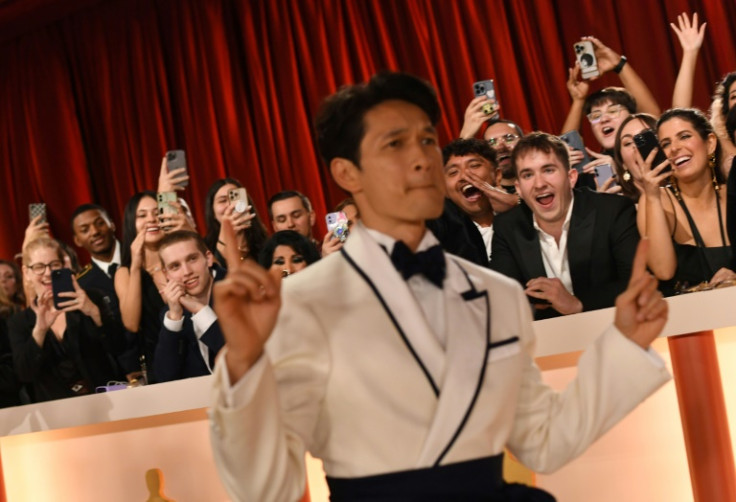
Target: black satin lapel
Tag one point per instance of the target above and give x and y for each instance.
(393, 319)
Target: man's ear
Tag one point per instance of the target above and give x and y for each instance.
(346, 174)
(573, 175)
(210, 259)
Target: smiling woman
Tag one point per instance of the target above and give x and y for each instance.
(685, 221)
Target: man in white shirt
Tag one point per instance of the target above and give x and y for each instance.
(571, 249)
(405, 369)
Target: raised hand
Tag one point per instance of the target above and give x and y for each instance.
(169, 181)
(475, 116)
(35, 229)
(45, 312)
(690, 36)
(330, 244)
(641, 311)
(652, 177)
(247, 303)
(501, 201)
(172, 293)
(577, 88)
(607, 57)
(136, 250)
(78, 300)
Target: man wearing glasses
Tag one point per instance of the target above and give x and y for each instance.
(502, 135)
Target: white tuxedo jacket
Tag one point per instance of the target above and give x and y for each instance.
(354, 374)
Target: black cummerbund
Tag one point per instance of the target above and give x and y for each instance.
(473, 480)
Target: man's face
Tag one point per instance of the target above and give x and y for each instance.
(605, 119)
(183, 262)
(290, 214)
(503, 138)
(94, 232)
(460, 191)
(399, 181)
(545, 184)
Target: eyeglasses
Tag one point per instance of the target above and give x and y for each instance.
(506, 138)
(40, 268)
(612, 112)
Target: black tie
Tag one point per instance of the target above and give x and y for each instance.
(111, 269)
(430, 263)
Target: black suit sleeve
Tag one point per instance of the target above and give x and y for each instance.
(623, 238)
(503, 257)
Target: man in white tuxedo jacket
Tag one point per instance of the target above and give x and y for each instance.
(407, 374)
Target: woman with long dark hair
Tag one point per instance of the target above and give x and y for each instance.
(139, 278)
(685, 221)
(249, 229)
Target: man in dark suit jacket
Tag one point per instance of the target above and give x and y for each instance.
(571, 249)
(95, 232)
(190, 336)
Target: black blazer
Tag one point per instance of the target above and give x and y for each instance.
(458, 234)
(92, 277)
(601, 244)
(89, 347)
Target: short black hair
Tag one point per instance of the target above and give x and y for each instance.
(513, 124)
(288, 194)
(296, 241)
(339, 124)
(88, 207)
(462, 147)
(614, 95)
(541, 142)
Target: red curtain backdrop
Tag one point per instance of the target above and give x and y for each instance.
(92, 93)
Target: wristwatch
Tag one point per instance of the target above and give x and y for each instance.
(620, 65)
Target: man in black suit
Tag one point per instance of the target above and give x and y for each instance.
(572, 250)
(190, 336)
(95, 232)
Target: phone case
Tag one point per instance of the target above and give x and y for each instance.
(36, 209)
(645, 142)
(337, 223)
(61, 281)
(574, 139)
(603, 173)
(585, 55)
(176, 159)
(485, 88)
(238, 198)
(163, 199)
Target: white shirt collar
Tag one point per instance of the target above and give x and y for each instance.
(115, 258)
(428, 240)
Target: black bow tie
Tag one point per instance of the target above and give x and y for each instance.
(430, 263)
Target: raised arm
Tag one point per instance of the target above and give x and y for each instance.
(128, 286)
(607, 61)
(578, 90)
(691, 39)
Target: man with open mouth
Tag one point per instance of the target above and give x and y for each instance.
(572, 250)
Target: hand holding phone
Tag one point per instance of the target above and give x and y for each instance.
(37, 209)
(238, 198)
(487, 89)
(176, 159)
(585, 56)
(574, 139)
(337, 224)
(61, 282)
(645, 142)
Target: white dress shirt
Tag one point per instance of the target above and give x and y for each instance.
(554, 256)
(487, 234)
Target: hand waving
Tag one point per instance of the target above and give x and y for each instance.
(247, 303)
(690, 36)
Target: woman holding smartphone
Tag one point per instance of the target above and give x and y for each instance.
(140, 278)
(65, 351)
(686, 221)
(250, 230)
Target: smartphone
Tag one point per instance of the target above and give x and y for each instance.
(38, 208)
(337, 223)
(61, 282)
(585, 55)
(574, 139)
(163, 199)
(603, 173)
(174, 160)
(488, 89)
(238, 198)
(645, 142)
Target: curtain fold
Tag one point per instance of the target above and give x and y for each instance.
(93, 93)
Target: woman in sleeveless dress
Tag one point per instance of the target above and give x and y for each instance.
(686, 220)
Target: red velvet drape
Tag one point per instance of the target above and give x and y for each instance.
(93, 92)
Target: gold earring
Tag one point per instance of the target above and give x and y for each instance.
(712, 165)
(627, 175)
(675, 187)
